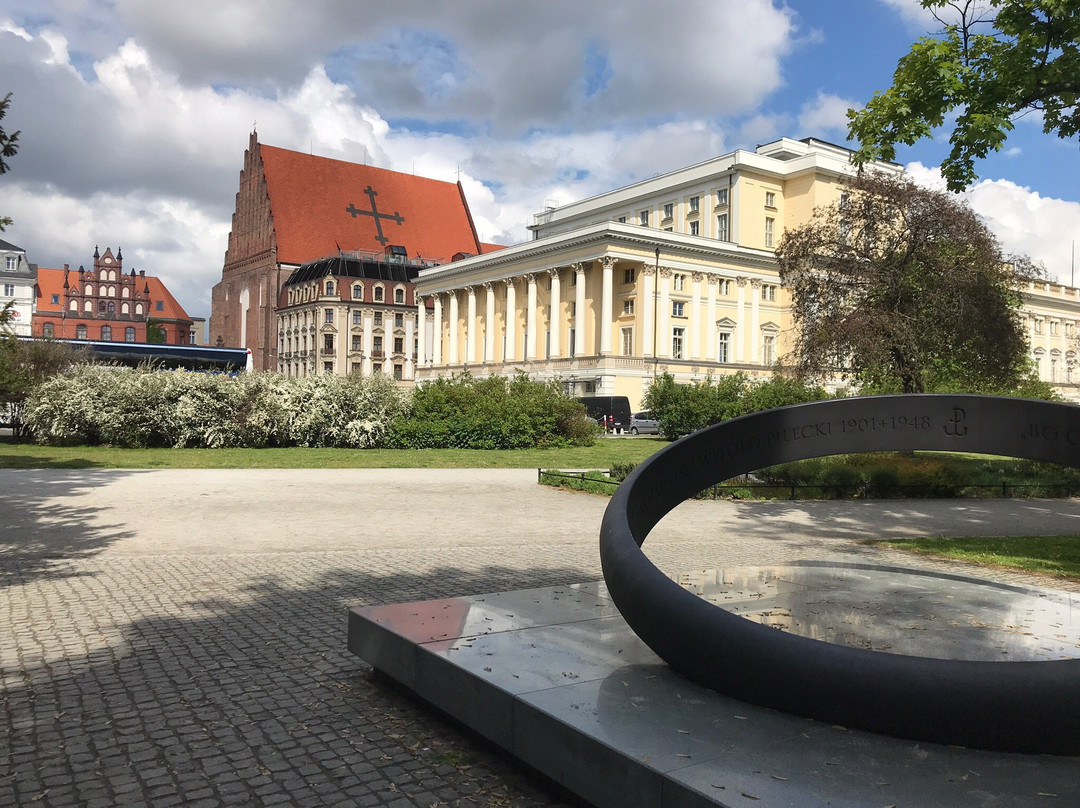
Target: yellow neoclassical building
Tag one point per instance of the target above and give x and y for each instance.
(673, 274)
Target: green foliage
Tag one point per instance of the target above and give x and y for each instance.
(685, 408)
(8, 148)
(1027, 58)
(491, 413)
(23, 366)
(900, 287)
(592, 482)
(146, 408)
(155, 333)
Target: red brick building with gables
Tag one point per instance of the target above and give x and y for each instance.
(106, 303)
(295, 208)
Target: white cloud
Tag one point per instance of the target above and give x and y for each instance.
(825, 114)
(1025, 222)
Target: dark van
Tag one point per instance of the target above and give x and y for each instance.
(600, 407)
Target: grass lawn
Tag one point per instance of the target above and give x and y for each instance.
(600, 456)
(1051, 555)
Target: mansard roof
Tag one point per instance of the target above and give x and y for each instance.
(8, 247)
(355, 266)
(320, 205)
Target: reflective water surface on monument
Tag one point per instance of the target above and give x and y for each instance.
(899, 611)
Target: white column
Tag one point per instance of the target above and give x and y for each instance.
(409, 371)
(421, 348)
(436, 335)
(489, 322)
(647, 318)
(695, 316)
(530, 318)
(454, 328)
(368, 319)
(554, 313)
(579, 310)
(710, 326)
(470, 325)
(755, 320)
(740, 321)
(664, 310)
(605, 317)
(510, 351)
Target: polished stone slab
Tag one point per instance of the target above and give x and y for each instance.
(556, 677)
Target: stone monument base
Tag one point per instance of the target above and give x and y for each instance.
(556, 677)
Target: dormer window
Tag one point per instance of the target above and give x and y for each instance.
(399, 295)
(378, 294)
(329, 287)
(12, 263)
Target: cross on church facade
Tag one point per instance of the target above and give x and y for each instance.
(354, 211)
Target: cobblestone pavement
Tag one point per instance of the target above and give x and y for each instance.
(179, 638)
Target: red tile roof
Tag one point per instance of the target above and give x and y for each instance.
(322, 205)
(51, 282)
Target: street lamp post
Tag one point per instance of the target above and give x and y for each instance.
(656, 297)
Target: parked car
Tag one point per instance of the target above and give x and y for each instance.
(644, 423)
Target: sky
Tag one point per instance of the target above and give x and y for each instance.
(135, 114)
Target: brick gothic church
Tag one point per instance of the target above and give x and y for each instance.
(295, 208)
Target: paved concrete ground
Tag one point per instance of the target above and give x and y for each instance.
(178, 637)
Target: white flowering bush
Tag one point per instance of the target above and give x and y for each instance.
(142, 407)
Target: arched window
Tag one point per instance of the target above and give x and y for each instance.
(125, 308)
(88, 306)
(378, 294)
(74, 305)
(101, 305)
(89, 289)
(106, 333)
(47, 330)
(138, 308)
(80, 331)
(112, 307)
(112, 291)
(399, 295)
(357, 291)
(129, 334)
(125, 292)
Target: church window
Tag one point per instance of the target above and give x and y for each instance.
(80, 331)
(399, 295)
(106, 333)
(357, 292)
(378, 294)
(48, 330)
(328, 316)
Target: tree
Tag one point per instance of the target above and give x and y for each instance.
(903, 288)
(8, 147)
(155, 333)
(24, 365)
(999, 60)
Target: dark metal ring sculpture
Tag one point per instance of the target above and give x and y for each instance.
(1028, 706)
